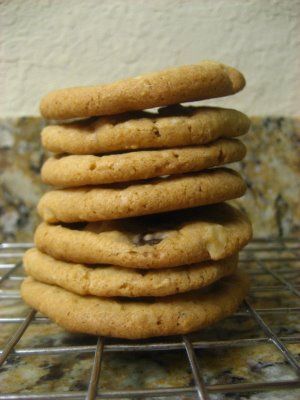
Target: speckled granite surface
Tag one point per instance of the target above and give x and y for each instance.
(272, 171)
(271, 168)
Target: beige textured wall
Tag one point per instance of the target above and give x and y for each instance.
(50, 44)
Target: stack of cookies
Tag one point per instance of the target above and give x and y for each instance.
(136, 240)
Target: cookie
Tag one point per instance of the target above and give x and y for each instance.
(82, 170)
(108, 280)
(205, 80)
(169, 127)
(137, 318)
(155, 241)
(147, 197)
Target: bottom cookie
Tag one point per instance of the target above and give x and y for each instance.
(138, 318)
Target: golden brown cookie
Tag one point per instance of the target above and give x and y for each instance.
(74, 170)
(137, 318)
(147, 197)
(205, 80)
(109, 281)
(169, 127)
(155, 241)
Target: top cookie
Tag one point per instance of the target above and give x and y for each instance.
(205, 80)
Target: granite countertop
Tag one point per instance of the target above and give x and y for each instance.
(272, 170)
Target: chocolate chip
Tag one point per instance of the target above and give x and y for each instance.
(155, 131)
(149, 238)
(77, 226)
(151, 242)
(142, 272)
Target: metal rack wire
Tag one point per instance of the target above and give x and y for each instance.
(285, 252)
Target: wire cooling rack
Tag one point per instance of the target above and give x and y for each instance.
(274, 265)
